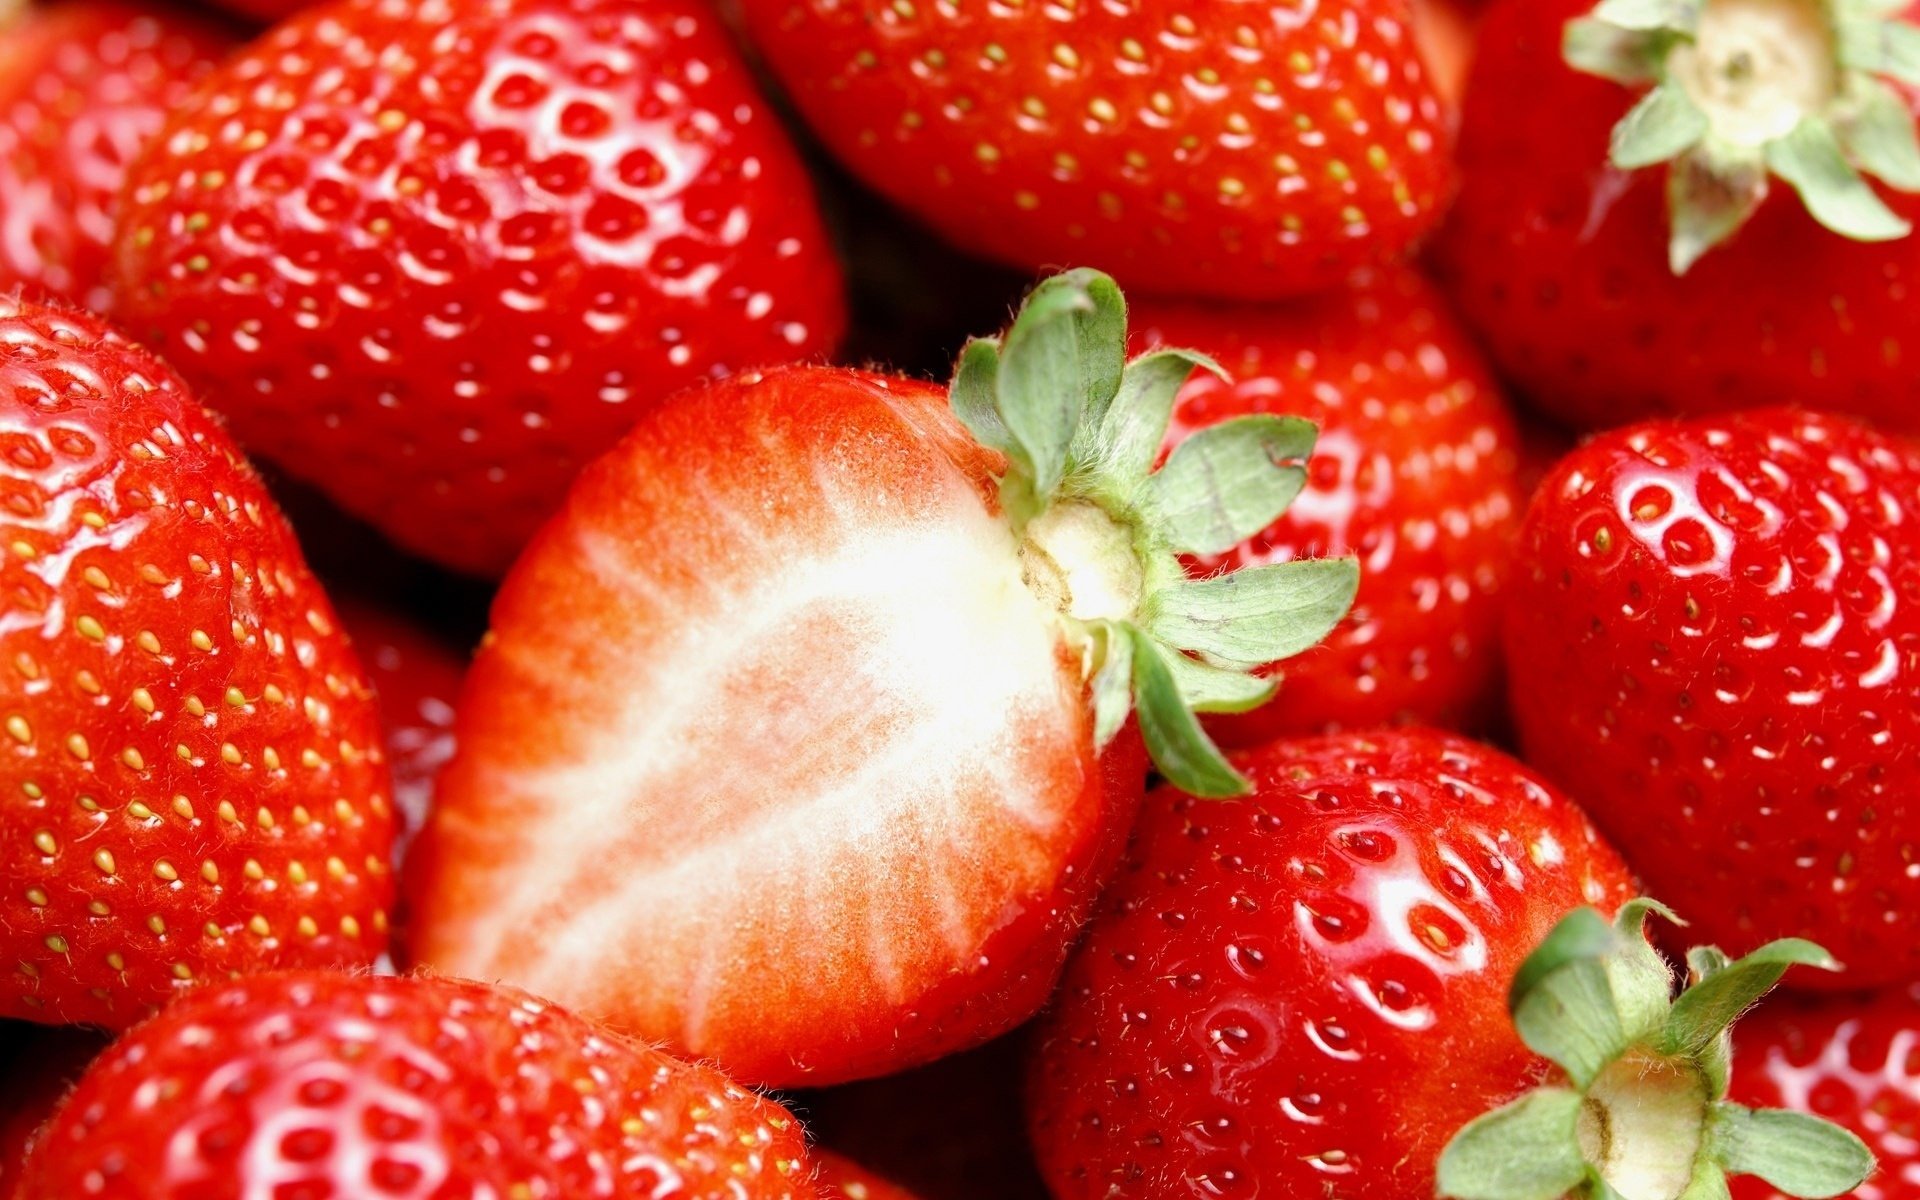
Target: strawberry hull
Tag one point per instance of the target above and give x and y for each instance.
(771, 754)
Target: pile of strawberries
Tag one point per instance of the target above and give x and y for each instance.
(673, 716)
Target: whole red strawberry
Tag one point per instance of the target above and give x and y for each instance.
(435, 257)
(320, 1084)
(1303, 992)
(1741, 240)
(194, 782)
(87, 84)
(1414, 473)
(1850, 1060)
(1248, 149)
(1712, 644)
(416, 673)
(807, 731)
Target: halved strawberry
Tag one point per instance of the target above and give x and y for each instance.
(801, 737)
(84, 84)
(323, 1086)
(191, 777)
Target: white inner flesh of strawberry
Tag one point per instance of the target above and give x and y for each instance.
(1758, 67)
(873, 747)
(1641, 1126)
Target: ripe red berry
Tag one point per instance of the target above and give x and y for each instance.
(435, 257)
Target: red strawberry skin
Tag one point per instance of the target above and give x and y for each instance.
(872, 816)
(194, 779)
(1712, 644)
(1560, 262)
(1415, 472)
(416, 673)
(1303, 993)
(1848, 1059)
(466, 245)
(322, 1084)
(1250, 149)
(84, 85)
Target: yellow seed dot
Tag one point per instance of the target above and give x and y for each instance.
(230, 754)
(264, 819)
(157, 925)
(350, 927)
(143, 700)
(146, 641)
(44, 841)
(253, 870)
(380, 920)
(98, 908)
(103, 859)
(134, 759)
(97, 579)
(236, 698)
(194, 707)
(1103, 109)
(228, 813)
(88, 804)
(1066, 56)
(164, 870)
(296, 872)
(258, 925)
(77, 746)
(87, 682)
(307, 928)
(36, 897)
(115, 960)
(19, 730)
(93, 520)
(90, 629)
(183, 806)
(56, 943)
(32, 790)
(213, 931)
(200, 640)
(182, 971)
(209, 872)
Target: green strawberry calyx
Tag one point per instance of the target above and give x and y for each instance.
(1102, 534)
(1641, 1111)
(1740, 93)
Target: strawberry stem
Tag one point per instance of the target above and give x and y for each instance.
(1101, 533)
(1741, 92)
(1641, 1113)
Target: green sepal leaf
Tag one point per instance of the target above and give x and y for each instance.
(1210, 689)
(1798, 1154)
(1709, 1183)
(1061, 359)
(1704, 962)
(1810, 158)
(1181, 750)
(1708, 204)
(1256, 615)
(1662, 126)
(1886, 46)
(1112, 684)
(1641, 981)
(1675, 16)
(1228, 482)
(1528, 1150)
(1625, 56)
(974, 394)
(1879, 136)
(1562, 1001)
(1135, 425)
(1712, 1005)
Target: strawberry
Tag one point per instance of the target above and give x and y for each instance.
(417, 675)
(843, 1180)
(434, 257)
(1414, 472)
(1711, 642)
(1848, 1059)
(1248, 150)
(86, 84)
(1663, 209)
(317, 1084)
(194, 784)
(40, 1065)
(801, 740)
(1302, 993)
